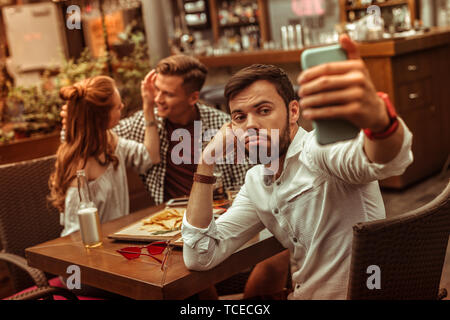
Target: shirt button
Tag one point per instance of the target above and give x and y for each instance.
(276, 211)
(278, 183)
(294, 239)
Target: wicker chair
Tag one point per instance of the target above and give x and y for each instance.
(409, 250)
(26, 219)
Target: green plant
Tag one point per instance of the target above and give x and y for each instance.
(131, 69)
(72, 70)
(37, 108)
(6, 136)
(33, 109)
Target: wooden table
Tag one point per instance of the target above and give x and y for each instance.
(141, 278)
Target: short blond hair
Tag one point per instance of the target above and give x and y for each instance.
(189, 68)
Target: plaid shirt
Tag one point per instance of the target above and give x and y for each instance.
(134, 128)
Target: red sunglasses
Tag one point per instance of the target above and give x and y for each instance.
(153, 249)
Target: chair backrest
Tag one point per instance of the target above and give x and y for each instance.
(26, 217)
(409, 251)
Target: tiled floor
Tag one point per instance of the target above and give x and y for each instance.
(414, 197)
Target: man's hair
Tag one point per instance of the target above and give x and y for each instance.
(247, 76)
(192, 71)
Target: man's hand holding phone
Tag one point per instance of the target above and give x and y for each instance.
(342, 90)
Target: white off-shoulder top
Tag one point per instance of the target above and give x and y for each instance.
(110, 190)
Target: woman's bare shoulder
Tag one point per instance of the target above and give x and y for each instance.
(92, 170)
(114, 139)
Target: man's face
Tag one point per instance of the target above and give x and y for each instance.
(171, 99)
(258, 107)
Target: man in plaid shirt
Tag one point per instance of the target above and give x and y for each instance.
(172, 112)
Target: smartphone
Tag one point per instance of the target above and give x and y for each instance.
(328, 130)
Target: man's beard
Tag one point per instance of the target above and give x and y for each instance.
(254, 153)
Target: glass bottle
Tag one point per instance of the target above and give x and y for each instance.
(218, 190)
(87, 214)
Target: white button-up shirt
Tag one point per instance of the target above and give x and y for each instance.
(311, 208)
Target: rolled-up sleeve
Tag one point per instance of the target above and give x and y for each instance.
(205, 248)
(348, 161)
(198, 238)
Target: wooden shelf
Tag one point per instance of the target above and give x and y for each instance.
(251, 57)
(198, 26)
(196, 12)
(387, 48)
(238, 24)
(262, 21)
(212, 10)
(383, 4)
(30, 148)
(413, 7)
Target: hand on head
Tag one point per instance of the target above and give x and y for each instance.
(147, 87)
(223, 143)
(148, 94)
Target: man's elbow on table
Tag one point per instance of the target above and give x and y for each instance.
(193, 260)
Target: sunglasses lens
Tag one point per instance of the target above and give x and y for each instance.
(130, 252)
(156, 247)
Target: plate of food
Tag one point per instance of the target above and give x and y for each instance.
(162, 225)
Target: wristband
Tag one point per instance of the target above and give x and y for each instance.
(393, 124)
(151, 123)
(204, 179)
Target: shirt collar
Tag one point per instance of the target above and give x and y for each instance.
(295, 147)
(200, 109)
(297, 143)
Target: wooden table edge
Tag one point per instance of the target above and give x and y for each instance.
(261, 250)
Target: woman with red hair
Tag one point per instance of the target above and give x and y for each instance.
(93, 108)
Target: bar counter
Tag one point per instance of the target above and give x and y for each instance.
(391, 47)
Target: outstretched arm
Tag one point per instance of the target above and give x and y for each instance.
(346, 86)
